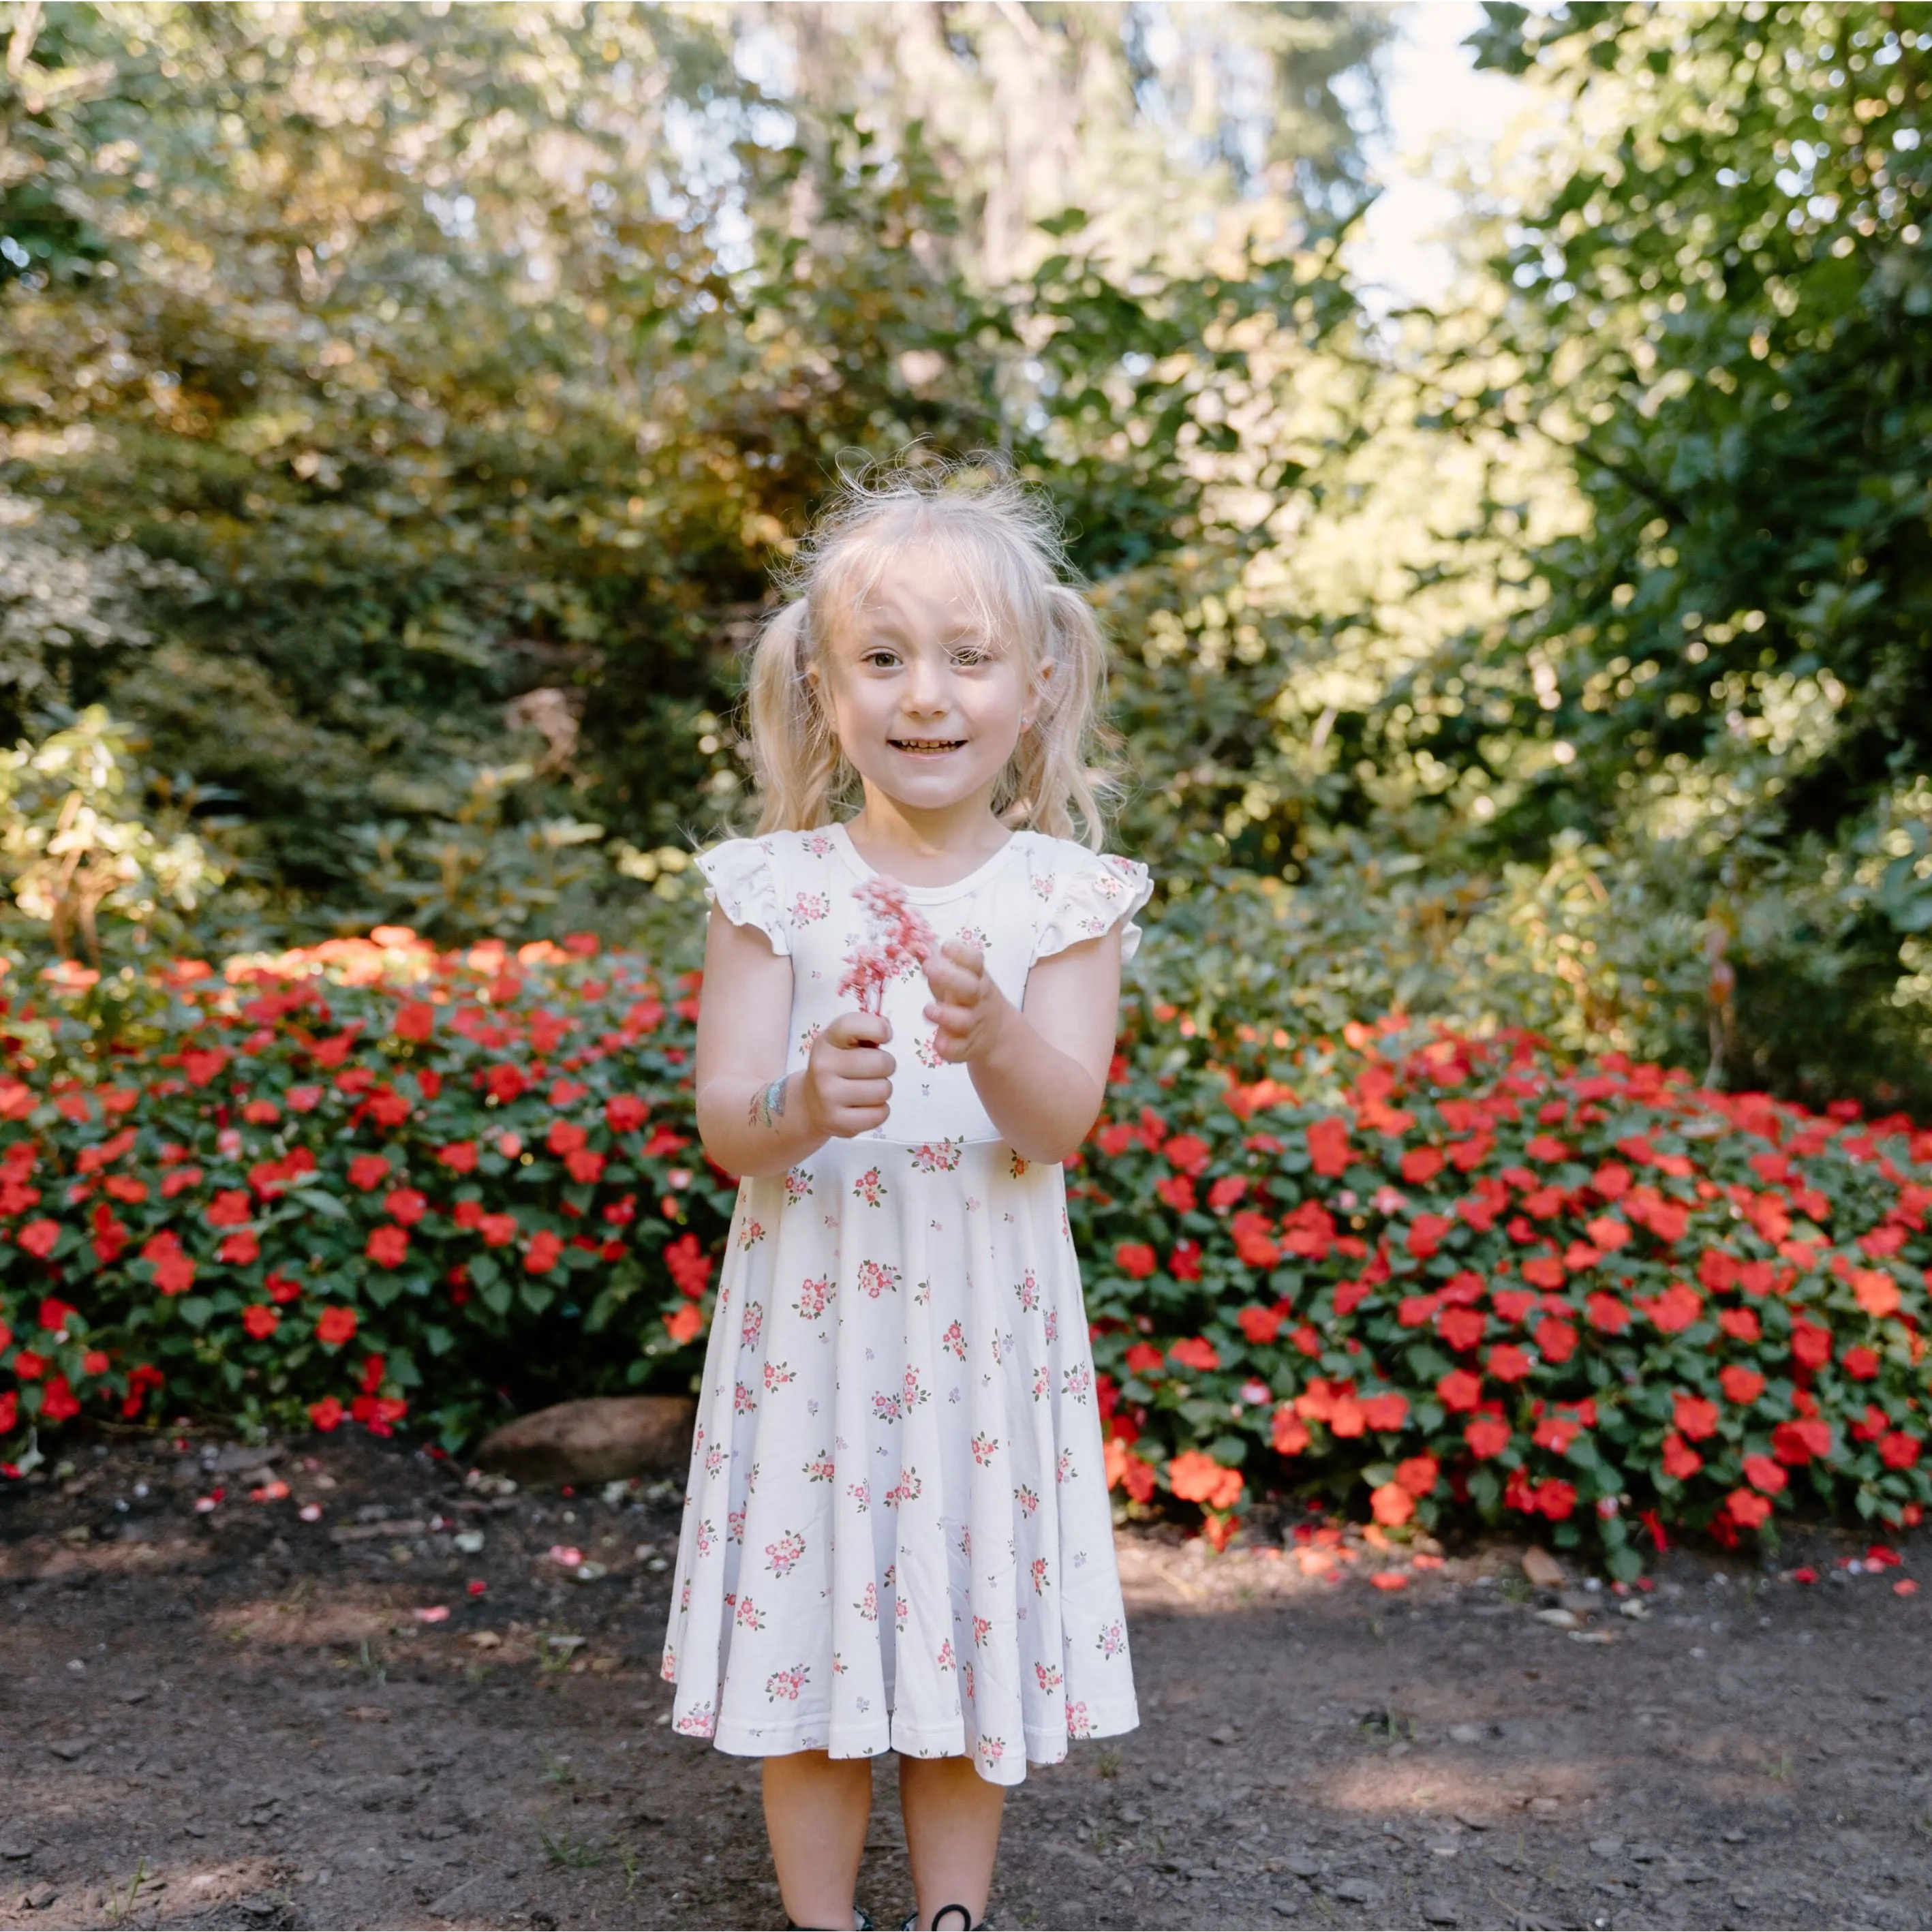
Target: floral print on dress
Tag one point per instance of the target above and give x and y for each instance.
(879, 1424)
(878, 1278)
(782, 1557)
(787, 1684)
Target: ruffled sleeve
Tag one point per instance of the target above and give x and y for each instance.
(1088, 894)
(742, 881)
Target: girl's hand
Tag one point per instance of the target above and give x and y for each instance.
(968, 1009)
(847, 1085)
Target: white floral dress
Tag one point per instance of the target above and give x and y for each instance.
(897, 1534)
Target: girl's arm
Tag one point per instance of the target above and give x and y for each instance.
(747, 1126)
(1040, 1071)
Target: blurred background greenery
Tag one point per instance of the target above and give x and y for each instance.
(402, 409)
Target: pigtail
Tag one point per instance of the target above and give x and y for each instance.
(794, 754)
(1054, 784)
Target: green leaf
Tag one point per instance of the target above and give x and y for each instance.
(317, 1202)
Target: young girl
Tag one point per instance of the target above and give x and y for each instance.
(897, 1534)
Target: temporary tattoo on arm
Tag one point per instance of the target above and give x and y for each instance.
(768, 1104)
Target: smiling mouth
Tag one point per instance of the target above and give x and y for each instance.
(925, 745)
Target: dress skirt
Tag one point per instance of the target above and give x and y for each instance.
(897, 1534)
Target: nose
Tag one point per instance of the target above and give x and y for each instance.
(926, 695)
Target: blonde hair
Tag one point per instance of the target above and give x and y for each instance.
(1006, 539)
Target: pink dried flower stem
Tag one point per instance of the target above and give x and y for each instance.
(898, 937)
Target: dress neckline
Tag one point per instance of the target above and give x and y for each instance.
(929, 893)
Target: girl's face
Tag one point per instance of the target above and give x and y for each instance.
(928, 708)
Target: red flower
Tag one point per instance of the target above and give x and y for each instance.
(1418, 1474)
(1184, 1263)
(1741, 1385)
(1556, 1497)
(1740, 1324)
(1458, 1389)
(625, 1113)
(55, 1315)
(1462, 1327)
(504, 1083)
(1198, 1478)
(303, 1100)
(368, 1172)
(1226, 1191)
(460, 1156)
(1144, 1358)
(1545, 1271)
(260, 1321)
(1676, 1309)
(1557, 1339)
(1135, 1259)
(1261, 1325)
(242, 1248)
(58, 1402)
(280, 1287)
(1860, 1364)
(684, 1324)
(1898, 1450)
(1877, 1292)
(1508, 1363)
(406, 1205)
(1747, 1510)
(1796, 1443)
(1256, 1246)
(1762, 1473)
(1425, 1234)
(689, 1266)
(1421, 1164)
(1195, 1353)
(388, 1247)
(1391, 1504)
(1810, 1345)
(542, 1254)
(565, 1137)
(95, 1362)
(1328, 1149)
(1290, 1435)
(1607, 1315)
(1681, 1461)
(499, 1230)
(38, 1237)
(1189, 1153)
(229, 1208)
(1386, 1412)
(1177, 1191)
(1487, 1435)
(174, 1272)
(327, 1414)
(336, 1327)
(1695, 1415)
(29, 1365)
(1547, 1147)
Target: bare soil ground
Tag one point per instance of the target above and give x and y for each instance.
(235, 1717)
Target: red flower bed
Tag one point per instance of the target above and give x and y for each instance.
(1416, 1274)
(1456, 1275)
(367, 1182)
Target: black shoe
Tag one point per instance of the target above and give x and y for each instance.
(911, 1922)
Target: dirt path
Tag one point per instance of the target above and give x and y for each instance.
(244, 1711)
